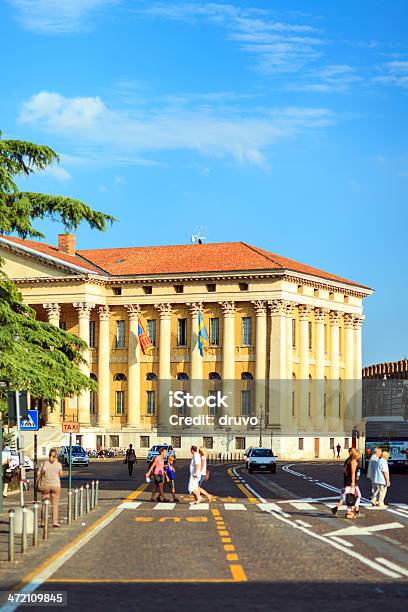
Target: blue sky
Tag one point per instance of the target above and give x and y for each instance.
(282, 124)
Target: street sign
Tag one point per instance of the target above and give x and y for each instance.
(70, 427)
(12, 405)
(30, 422)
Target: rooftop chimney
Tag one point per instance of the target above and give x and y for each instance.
(66, 243)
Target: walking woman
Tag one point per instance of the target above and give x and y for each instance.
(350, 493)
(194, 481)
(50, 475)
(157, 468)
(204, 473)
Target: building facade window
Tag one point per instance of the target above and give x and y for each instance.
(120, 334)
(301, 445)
(293, 333)
(114, 441)
(63, 325)
(246, 331)
(93, 397)
(208, 442)
(120, 402)
(326, 339)
(119, 377)
(117, 290)
(243, 286)
(148, 290)
(182, 332)
(212, 406)
(62, 406)
(151, 330)
(179, 288)
(151, 376)
(176, 441)
(211, 287)
(144, 441)
(240, 443)
(310, 331)
(331, 443)
(309, 404)
(346, 443)
(92, 334)
(150, 401)
(215, 332)
(293, 403)
(325, 405)
(245, 402)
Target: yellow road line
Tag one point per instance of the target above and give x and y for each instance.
(238, 573)
(251, 498)
(135, 580)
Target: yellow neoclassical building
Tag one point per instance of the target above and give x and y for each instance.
(284, 343)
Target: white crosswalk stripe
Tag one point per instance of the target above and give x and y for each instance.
(199, 507)
(164, 506)
(129, 505)
(234, 507)
(303, 506)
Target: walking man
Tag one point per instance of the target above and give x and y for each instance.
(338, 448)
(381, 481)
(130, 458)
(372, 467)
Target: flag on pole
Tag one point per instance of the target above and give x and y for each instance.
(144, 340)
(202, 333)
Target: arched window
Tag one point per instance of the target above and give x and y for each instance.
(151, 376)
(119, 377)
(181, 376)
(214, 376)
(246, 376)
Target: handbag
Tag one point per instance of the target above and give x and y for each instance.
(41, 478)
(350, 499)
(207, 475)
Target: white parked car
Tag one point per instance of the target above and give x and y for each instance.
(15, 460)
(261, 459)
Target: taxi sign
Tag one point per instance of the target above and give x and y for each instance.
(70, 427)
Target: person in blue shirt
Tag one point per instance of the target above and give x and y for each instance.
(170, 475)
(381, 481)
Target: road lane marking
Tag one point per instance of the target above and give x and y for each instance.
(375, 566)
(303, 523)
(361, 531)
(143, 519)
(342, 542)
(165, 506)
(232, 557)
(308, 499)
(234, 507)
(303, 506)
(270, 506)
(238, 573)
(199, 506)
(129, 505)
(393, 566)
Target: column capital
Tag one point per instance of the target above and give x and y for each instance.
(260, 307)
(84, 309)
(320, 314)
(335, 317)
(53, 309)
(290, 307)
(358, 321)
(228, 308)
(195, 307)
(134, 311)
(304, 311)
(103, 313)
(164, 310)
(348, 320)
(277, 307)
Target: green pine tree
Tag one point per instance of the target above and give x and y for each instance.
(36, 356)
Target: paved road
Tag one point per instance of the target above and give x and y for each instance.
(268, 542)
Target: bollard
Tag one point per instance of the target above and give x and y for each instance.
(96, 492)
(69, 520)
(92, 494)
(81, 500)
(46, 518)
(76, 504)
(11, 536)
(88, 504)
(35, 526)
(24, 530)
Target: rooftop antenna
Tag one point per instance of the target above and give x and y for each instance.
(198, 237)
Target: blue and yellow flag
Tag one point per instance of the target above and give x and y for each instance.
(202, 333)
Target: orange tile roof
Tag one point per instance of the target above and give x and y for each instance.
(220, 257)
(48, 249)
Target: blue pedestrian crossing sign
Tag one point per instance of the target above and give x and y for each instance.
(30, 422)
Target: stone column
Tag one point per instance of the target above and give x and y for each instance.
(53, 312)
(260, 353)
(84, 310)
(334, 370)
(348, 355)
(164, 363)
(133, 413)
(319, 382)
(357, 359)
(303, 383)
(277, 363)
(103, 368)
(196, 386)
(228, 356)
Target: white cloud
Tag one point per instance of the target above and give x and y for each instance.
(329, 78)
(58, 172)
(394, 73)
(278, 46)
(211, 128)
(58, 16)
